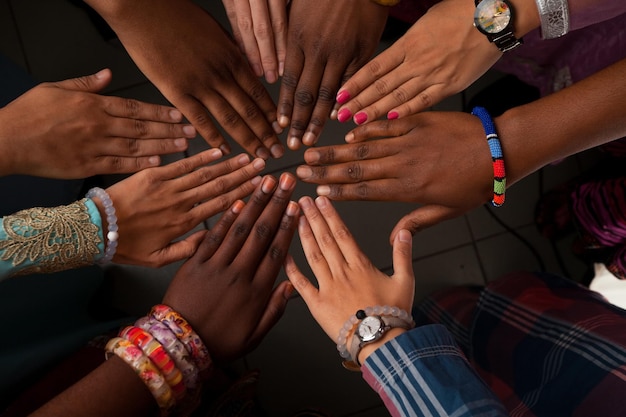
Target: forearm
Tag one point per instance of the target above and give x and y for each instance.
(580, 117)
(10, 151)
(113, 389)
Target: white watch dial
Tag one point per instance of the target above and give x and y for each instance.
(369, 328)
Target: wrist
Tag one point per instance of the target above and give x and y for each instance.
(8, 156)
(368, 349)
(526, 16)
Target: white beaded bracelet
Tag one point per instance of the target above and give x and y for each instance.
(349, 325)
(112, 234)
(554, 16)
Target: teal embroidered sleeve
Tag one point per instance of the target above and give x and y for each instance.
(44, 240)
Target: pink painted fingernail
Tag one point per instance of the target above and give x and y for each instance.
(344, 115)
(360, 118)
(392, 115)
(343, 96)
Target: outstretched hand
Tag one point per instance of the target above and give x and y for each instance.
(225, 290)
(158, 205)
(421, 68)
(440, 160)
(347, 280)
(65, 130)
(323, 50)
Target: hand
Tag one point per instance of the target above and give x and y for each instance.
(64, 130)
(328, 41)
(158, 205)
(439, 56)
(225, 289)
(198, 68)
(438, 159)
(260, 29)
(347, 280)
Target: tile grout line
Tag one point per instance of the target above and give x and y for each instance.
(19, 37)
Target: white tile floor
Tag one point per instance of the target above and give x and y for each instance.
(54, 40)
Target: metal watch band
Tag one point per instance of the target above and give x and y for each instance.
(507, 41)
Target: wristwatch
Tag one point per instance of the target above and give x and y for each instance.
(494, 18)
(370, 329)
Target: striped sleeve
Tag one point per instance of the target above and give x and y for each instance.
(424, 373)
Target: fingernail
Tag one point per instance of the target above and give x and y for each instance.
(323, 190)
(288, 291)
(277, 129)
(100, 74)
(225, 149)
(404, 236)
(216, 153)
(292, 209)
(343, 96)
(304, 172)
(268, 185)
(258, 71)
(180, 143)
(243, 159)
(263, 153)
(277, 150)
(270, 77)
(175, 115)
(306, 201)
(360, 118)
(311, 156)
(293, 143)
(333, 114)
(154, 160)
(189, 131)
(392, 115)
(309, 139)
(283, 121)
(256, 180)
(258, 164)
(237, 206)
(344, 115)
(287, 182)
(321, 202)
(349, 137)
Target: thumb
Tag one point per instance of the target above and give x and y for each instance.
(182, 249)
(403, 254)
(89, 83)
(424, 217)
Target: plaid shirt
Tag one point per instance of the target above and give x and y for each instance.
(543, 345)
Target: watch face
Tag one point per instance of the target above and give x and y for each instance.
(369, 328)
(492, 16)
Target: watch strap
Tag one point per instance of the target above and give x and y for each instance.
(505, 41)
(389, 322)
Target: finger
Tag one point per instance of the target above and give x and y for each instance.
(265, 237)
(380, 129)
(221, 202)
(424, 217)
(372, 190)
(326, 243)
(213, 174)
(347, 173)
(293, 68)
(129, 108)
(124, 147)
(421, 101)
(179, 250)
(312, 252)
(144, 129)
(199, 117)
(214, 237)
(187, 165)
(403, 256)
(90, 83)
(273, 312)
(239, 231)
(264, 34)
(323, 105)
(278, 16)
(299, 281)
(245, 27)
(346, 243)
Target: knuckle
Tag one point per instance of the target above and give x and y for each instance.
(400, 95)
(141, 128)
(276, 253)
(362, 190)
(304, 98)
(263, 30)
(326, 95)
(290, 81)
(132, 107)
(381, 87)
(279, 25)
(244, 23)
(355, 172)
(241, 229)
(133, 146)
(425, 99)
(362, 151)
(263, 230)
(257, 92)
(374, 68)
(222, 202)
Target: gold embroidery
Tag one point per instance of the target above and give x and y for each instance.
(55, 239)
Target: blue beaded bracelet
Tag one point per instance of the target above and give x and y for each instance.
(112, 234)
(499, 173)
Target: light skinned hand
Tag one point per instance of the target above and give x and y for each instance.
(440, 160)
(158, 205)
(226, 290)
(260, 29)
(440, 55)
(196, 65)
(324, 49)
(65, 130)
(346, 279)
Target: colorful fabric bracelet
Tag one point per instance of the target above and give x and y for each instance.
(174, 347)
(499, 173)
(159, 356)
(183, 330)
(146, 370)
(112, 230)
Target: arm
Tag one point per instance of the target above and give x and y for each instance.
(225, 291)
(65, 130)
(198, 68)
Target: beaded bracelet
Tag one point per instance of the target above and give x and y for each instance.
(146, 370)
(349, 325)
(159, 356)
(174, 347)
(112, 231)
(499, 173)
(183, 330)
